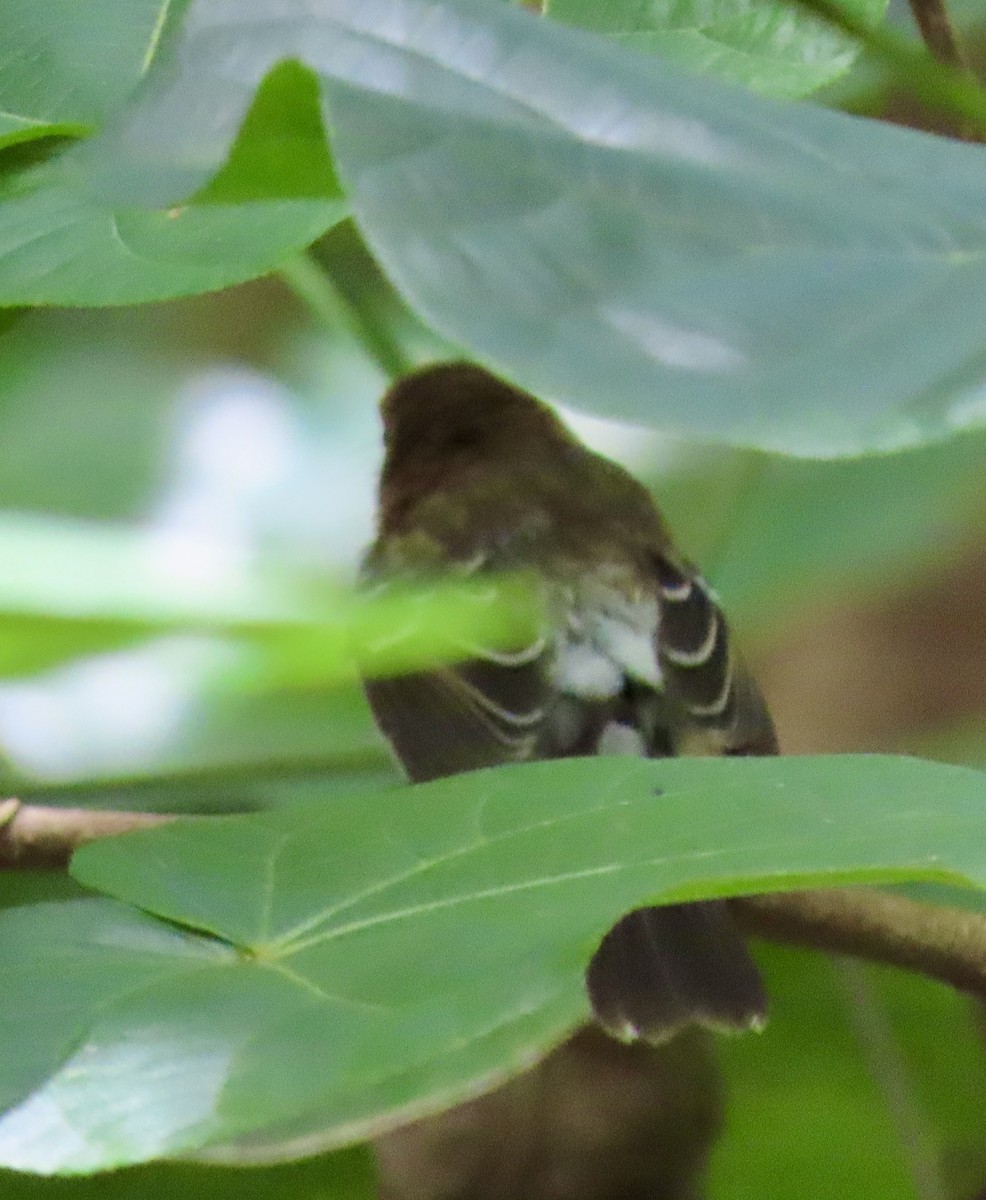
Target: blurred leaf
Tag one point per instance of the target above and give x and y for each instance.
(113, 584)
(75, 390)
(346, 991)
(229, 672)
(784, 277)
(394, 629)
(773, 47)
(345, 1175)
(112, 573)
(227, 751)
(66, 65)
(805, 1081)
(30, 643)
(775, 534)
(59, 245)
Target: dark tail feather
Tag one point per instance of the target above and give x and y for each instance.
(659, 969)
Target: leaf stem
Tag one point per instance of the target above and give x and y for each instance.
(881, 1052)
(938, 32)
(313, 285)
(942, 86)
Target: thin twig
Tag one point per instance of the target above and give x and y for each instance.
(36, 838)
(876, 1039)
(942, 86)
(938, 32)
(313, 285)
(947, 944)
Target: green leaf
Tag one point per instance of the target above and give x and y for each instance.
(345, 1175)
(388, 951)
(59, 245)
(113, 573)
(35, 887)
(280, 150)
(66, 65)
(61, 962)
(113, 584)
(772, 47)
(643, 244)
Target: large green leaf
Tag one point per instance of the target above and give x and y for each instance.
(276, 193)
(771, 46)
(639, 243)
(51, 981)
(385, 952)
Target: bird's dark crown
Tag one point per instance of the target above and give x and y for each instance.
(457, 408)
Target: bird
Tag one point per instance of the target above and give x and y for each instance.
(634, 654)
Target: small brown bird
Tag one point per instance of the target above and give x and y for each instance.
(480, 477)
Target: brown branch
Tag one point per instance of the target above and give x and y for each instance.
(939, 80)
(938, 32)
(36, 838)
(947, 944)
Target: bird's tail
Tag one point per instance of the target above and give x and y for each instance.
(659, 969)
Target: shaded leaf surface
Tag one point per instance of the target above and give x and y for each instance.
(639, 243)
(66, 65)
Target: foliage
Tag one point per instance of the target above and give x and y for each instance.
(552, 195)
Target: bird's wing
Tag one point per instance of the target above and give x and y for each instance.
(721, 708)
(475, 714)
(485, 709)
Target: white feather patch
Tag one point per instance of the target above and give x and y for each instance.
(602, 645)
(621, 739)
(581, 669)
